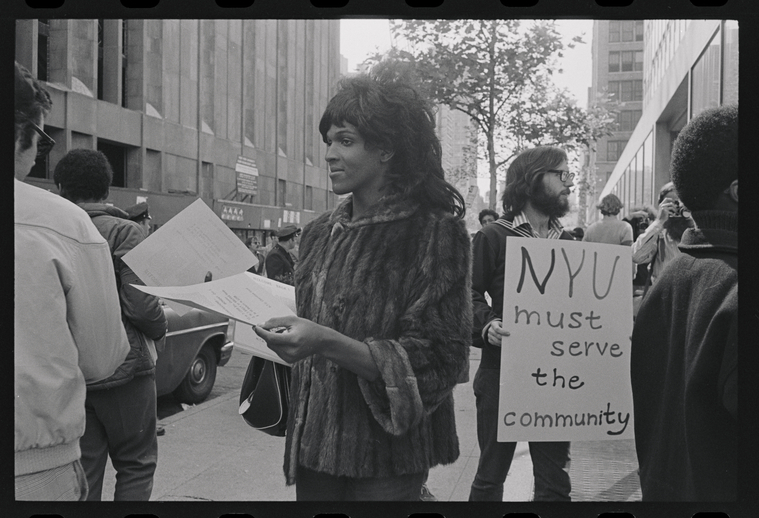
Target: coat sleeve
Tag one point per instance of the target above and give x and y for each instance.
(483, 266)
(420, 368)
(645, 246)
(144, 311)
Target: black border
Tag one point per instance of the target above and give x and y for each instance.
(747, 14)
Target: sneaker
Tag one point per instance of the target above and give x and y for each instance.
(160, 430)
(426, 496)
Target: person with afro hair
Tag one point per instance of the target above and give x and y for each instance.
(684, 356)
(609, 229)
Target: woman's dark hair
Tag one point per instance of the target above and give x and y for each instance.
(31, 102)
(390, 114)
(84, 174)
(524, 175)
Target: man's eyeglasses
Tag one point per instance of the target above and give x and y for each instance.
(563, 175)
(45, 143)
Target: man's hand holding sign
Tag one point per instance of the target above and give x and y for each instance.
(567, 319)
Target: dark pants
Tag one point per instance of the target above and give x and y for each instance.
(121, 422)
(550, 460)
(311, 485)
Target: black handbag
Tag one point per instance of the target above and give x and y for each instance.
(265, 396)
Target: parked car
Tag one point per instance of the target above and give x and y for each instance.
(196, 343)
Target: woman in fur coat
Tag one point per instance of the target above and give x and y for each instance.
(384, 305)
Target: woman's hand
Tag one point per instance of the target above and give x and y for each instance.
(294, 338)
(496, 332)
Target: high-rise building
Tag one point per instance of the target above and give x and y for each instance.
(617, 54)
(224, 110)
(688, 66)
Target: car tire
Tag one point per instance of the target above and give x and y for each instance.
(198, 382)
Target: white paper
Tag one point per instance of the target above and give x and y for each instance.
(248, 298)
(239, 297)
(565, 368)
(189, 245)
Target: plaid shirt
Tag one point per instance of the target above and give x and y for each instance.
(521, 225)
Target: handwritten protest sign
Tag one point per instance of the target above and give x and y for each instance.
(565, 368)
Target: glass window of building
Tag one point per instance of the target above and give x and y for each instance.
(614, 89)
(628, 29)
(648, 170)
(730, 63)
(639, 30)
(614, 30)
(627, 61)
(43, 52)
(626, 91)
(281, 192)
(639, 177)
(638, 66)
(705, 78)
(637, 87)
(614, 149)
(614, 61)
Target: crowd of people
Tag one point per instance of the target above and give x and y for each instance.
(391, 293)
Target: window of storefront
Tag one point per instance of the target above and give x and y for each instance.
(639, 177)
(648, 170)
(730, 63)
(705, 78)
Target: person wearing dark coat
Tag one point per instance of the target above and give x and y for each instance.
(383, 303)
(121, 409)
(536, 195)
(280, 265)
(684, 356)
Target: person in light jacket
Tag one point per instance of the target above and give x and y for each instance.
(383, 301)
(66, 316)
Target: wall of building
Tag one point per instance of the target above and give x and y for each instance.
(175, 103)
(690, 65)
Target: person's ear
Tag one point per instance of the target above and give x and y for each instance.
(386, 155)
(733, 190)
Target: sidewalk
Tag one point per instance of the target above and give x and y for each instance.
(210, 454)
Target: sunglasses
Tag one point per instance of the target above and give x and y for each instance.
(563, 175)
(45, 143)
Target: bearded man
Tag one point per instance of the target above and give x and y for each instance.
(538, 185)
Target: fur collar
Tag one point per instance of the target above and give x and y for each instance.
(392, 207)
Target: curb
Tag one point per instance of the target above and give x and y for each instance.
(194, 409)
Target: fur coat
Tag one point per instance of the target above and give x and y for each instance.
(398, 279)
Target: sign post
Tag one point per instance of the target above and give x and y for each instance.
(565, 368)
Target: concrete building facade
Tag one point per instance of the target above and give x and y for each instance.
(617, 68)
(223, 110)
(689, 66)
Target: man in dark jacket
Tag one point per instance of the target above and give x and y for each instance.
(280, 265)
(537, 188)
(684, 358)
(121, 410)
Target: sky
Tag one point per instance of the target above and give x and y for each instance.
(359, 38)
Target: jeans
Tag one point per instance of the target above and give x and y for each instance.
(66, 482)
(550, 460)
(121, 422)
(311, 485)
